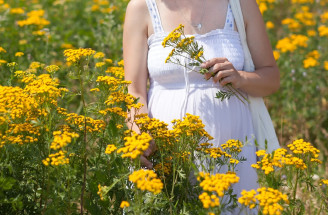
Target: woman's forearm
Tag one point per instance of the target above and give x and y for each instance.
(131, 114)
(262, 82)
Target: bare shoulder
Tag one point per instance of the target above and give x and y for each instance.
(137, 6)
(137, 13)
(250, 11)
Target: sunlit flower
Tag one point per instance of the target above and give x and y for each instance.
(269, 25)
(52, 68)
(110, 148)
(19, 54)
(75, 55)
(135, 145)
(124, 204)
(146, 180)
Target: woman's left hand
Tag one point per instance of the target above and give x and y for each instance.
(222, 70)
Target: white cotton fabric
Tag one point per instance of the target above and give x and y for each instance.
(264, 130)
(175, 91)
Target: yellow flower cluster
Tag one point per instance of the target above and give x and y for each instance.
(305, 16)
(302, 1)
(215, 152)
(2, 50)
(128, 99)
(117, 71)
(101, 191)
(163, 168)
(300, 147)
(95, 89)
(19, 134)
(99, 55)
(135, 145)
(17, 10)
(39, 33)
(62, 139)
(277, 159)
(323, 31)
(34, 17)
(190, 125)
(290, 44)
(198, 55)
(75, 55)
(293, 24)
(185, 41)
(66, 46)
(157, 128)
(52, 68)
(110, 148)
(146, 180)
(124, 204)
(45, 89)
(218, 183)
(92, 125)
(209, 200)
(269, 25)
(26, 76)
(117, 110)
(113, 82)
(324, 17)
(35, 65)
(100, 64)
(324, 181)
(268, 200)
(311, 59)
(12, 64)
(56, 159)
(103, 6)
(18, 103)
(248, 198)
(183, 154)
(2, 62)
(173, 36)
(233, 146)
(19, 54)
(120, 63)
(170, 55)
(264, 4)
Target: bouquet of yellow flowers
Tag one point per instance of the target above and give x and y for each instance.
(187, 47)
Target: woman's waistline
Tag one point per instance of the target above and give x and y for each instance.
(184, 86)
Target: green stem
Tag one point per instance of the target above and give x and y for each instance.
(322, 200)
(295, 188)
(183, 66)
(84, 154)
(238, 92)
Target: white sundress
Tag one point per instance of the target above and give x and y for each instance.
(175, 91)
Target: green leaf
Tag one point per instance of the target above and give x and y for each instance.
(7, 183)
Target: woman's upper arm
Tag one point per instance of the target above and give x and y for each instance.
(257, 38)
(135, 48)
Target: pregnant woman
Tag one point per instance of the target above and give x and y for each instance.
(175, 90)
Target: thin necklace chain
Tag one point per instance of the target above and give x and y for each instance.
(199, 25)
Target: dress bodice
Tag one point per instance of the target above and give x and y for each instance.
(216, 43)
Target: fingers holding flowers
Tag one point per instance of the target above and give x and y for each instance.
(148, 152)
(223, 71)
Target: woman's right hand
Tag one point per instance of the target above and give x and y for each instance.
(143, 158)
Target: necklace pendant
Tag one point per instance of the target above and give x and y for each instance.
(199, 26)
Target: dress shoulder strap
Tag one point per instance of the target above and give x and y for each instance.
(154, 15)
(229, 23)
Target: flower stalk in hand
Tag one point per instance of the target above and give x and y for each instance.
(188, 48)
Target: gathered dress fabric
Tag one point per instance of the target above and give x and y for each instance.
(175, 90)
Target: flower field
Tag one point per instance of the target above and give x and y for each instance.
(65, 147)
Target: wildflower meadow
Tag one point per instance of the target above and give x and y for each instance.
(65, 147)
